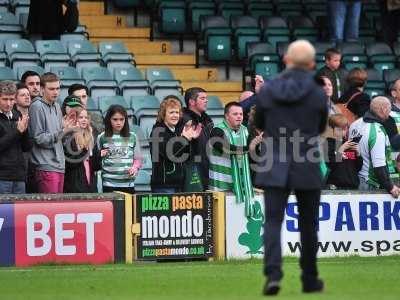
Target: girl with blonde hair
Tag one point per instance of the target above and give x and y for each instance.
(78, 148)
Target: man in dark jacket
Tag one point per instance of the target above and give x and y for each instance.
(46, 18)
(292, 111)
(195, 112)
(14, 141)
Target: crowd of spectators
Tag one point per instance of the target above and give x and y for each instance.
(51, 148)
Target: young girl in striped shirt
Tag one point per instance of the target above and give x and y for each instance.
(119, 151)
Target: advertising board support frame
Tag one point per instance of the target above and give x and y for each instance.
(133, 229)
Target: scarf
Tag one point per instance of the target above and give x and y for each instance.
(233, 172)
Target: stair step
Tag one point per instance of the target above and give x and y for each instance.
(109, 21)
(148, 47)
(167, 60)
(122, 34)
(191, 74)
(213, 87)
(227, 97)
(91, 8)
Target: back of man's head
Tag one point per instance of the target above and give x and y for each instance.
(48, 77)
(381, 106)
(192, 93)
(300, 54)
(28, 74)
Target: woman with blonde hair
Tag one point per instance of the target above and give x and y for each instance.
(169, 146)
(78, 148)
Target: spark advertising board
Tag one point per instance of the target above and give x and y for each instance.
(174, 226)
(61, 232)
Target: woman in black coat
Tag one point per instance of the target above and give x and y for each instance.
(168, 147)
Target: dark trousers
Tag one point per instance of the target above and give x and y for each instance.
(390, 23)
(111, 189)
(308, 205)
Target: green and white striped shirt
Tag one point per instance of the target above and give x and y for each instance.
(115, 165)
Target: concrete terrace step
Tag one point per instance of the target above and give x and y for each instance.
(191, 74)
(230, 87)
(166, 60)
(121, 34)
(226, 97)
(108, 21)
(148, 47)
(91, 8)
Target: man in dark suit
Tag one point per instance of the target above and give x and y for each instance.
(292, 112)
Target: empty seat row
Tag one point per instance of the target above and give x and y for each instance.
(126, 81)
(80, 53)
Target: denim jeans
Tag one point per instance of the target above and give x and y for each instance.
(12, 187)
(344, 20)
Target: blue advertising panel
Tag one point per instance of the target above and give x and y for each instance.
(7, 235)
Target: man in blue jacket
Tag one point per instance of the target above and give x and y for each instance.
(292, 112)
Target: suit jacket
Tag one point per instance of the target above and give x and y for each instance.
(293, 103)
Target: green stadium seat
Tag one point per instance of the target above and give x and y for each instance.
(20, 53)
(353, 55)
(275, 29)
(83, 54)
(68, 76)
(144, 142)
(396, 48)
(52, 53)
(197, 9)
(172, 18)
(142, 181)
(163, 82)
(129, 4)
(390, 76)
(215, 39)
(375, 85)
(99, 81)
(303, 27)
(131, 82)
(245, 29)
(230, 8)
(258, 8)
(262, 60)
(7, 73)
(215, 109)
(80, 33)
(66, 73)
(289, 8)
(92, 104)
(145, 109)
(10, 27)
(22, 69)
(115, 55)
(381, 56)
